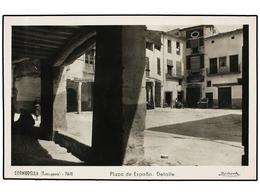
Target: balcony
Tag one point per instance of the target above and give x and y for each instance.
(171, 76)
(89, 69)
(224, 71)
(147, 73)
(195, 76)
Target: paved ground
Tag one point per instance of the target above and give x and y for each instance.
(194, 137)
(173, 136)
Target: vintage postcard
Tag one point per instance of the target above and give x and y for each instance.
(130, 97)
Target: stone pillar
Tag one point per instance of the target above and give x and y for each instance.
(134, 94)
(79, 97)
(59, 99)
(119, 96)
(46, 99)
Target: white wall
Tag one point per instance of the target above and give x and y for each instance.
(224, 46)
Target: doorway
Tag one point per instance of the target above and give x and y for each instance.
(168, 99)
(193, 96)
(157, 94)
(209, 96)
(180, 96)
(224, 97)
(72, 103)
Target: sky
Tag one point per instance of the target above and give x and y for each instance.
(221, 28)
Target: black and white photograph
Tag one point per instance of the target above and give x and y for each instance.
(130, 97)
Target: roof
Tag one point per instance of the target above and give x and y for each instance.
(54, 44)
(198, 26)
(240, 30)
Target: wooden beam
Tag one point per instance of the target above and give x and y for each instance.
(19, 60)
(46, 35)
(32, 51)
(34, 55)
(33, 47)
(61, 30)
(53, 31)
(74, 42)
(33, 38)
(35, 43)
(27, 55)
(87, 46)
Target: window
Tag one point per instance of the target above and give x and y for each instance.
(208, 83)
(147, 67)
(188, 44)
(222, 61)
(233, 60)
(149, 46)
(232, 37)
(169, 67)
(157, 47)
(201, 41)
(90, 57)
(212, 41)
(178, 48)
(188, 62)
(213, 65)
(240, 81)
(169, 70)
(158, 66)
(194, 45)
(169, 46)
(178, 68)
(195, 62)
(180, 82)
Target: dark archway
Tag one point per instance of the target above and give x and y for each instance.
(71, 100)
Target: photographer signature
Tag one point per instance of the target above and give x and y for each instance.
(229, 174)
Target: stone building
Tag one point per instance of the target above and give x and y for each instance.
(164, 68)
(80, 80)
(194, 63)
(79, 83)
(194, 69)
(223, 63)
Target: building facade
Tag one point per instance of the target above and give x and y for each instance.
(164, 68)
(194, 69)
(80, 80)
(223, 63)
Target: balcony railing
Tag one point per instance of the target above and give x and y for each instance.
(171, 76)
(195, 76)
(223, 70)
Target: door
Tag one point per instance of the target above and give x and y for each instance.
(192, 97)
(168, 98)
(72, 102)
(180, 96)
(209, 96)
(224, 97)
(157, 94)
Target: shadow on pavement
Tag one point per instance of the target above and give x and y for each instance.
(25, 148)
(226, 128)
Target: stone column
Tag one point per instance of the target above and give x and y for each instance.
(46, 99)
(79, 97)
(59, 99)
(119, 96)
